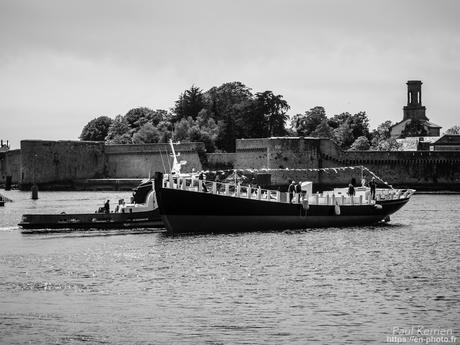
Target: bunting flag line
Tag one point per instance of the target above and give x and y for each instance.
(335, 170)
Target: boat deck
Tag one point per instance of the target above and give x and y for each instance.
(338, 196)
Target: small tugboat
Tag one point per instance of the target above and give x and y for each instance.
(3, 200)
(188, 206)
(142, 212)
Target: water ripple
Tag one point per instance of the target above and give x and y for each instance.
(338, 285)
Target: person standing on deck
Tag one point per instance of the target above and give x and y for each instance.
(107, 206)
(298, 192)
(372, 185)
(291, 190)
(202, 177)
(351, 190)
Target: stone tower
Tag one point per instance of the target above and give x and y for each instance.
(414, 108)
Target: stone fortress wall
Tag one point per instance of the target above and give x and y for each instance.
(221, 160)
(428, 170)
(134, 161)
(58, 164)
(61, 162)
(10, 165)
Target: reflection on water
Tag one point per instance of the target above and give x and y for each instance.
(350, 285)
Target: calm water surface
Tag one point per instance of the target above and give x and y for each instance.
(344, 286)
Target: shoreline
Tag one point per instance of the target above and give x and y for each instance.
(130, 184)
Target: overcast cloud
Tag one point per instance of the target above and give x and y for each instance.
(62, 63)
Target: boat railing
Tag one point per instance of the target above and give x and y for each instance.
(257, 193)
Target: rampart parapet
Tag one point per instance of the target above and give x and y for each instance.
(428, 170)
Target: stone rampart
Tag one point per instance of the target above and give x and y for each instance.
(281, 155)
(62, 162)
(220, 160)
(134, 161)
(49, 162)
(251, 153)
(10, 165)
(426, 170)
(58, 164)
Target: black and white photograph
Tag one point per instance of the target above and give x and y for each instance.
(229, 172)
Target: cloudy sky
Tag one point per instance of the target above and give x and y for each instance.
(63, 63)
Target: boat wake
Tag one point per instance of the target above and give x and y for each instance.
(72, 233)
(9, 228)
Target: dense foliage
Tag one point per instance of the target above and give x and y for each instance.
(453, 130)
(350, 132)
(97, 129)
(216, 117)
(414, 128)
(224, 113)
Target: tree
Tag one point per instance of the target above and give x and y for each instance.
(223, 100)
(132, 127)
(202, 129)
(118, 132)
(165, 128)
(335, 121)
(207, 125)
(160, 115)
(414, 128)
(360, 144)
(323, 130)
(382, 140)
(137, 117)
(190, 103)
(381, 133)
(182, 128)
(389, 144)
(273, 108)
(228, 105)
(453, 130)
(97, 129)
(196, 134)
(305, 125)
(360, 125)
(147, 134)
(227, 134)
(343, 135)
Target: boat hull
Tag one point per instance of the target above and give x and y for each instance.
(145, 219)
(184, 211)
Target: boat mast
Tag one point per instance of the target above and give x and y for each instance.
(176, 165)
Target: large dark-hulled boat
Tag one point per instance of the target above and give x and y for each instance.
(188, 206)
(141, 212)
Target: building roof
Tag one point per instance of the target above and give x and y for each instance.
(431, 124)
(448, 139)
(427, 123)
(400, 122)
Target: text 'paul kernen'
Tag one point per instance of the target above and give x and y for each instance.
(422, 335)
